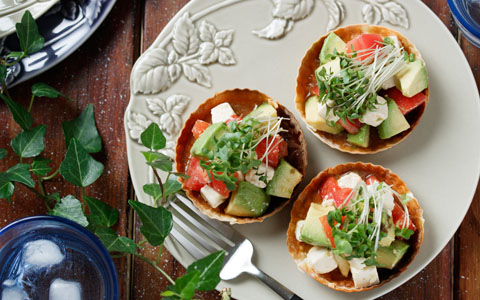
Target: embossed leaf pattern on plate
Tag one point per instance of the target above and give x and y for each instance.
(189, 53)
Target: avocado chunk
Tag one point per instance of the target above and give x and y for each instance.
(412, 79)
(331, 42)
(388, 257)
(361, 138)
(263, 112)
(312, 232)
(394, 123)
(315, 120)
(207, 139)
(343, 265)
(284, 180)
(387, 222)
(248, 201)
(330, 67)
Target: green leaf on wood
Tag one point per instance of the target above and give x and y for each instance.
(3, 73)
(156, 222)
(153, 137)
(154, 190)
(3, 153)
(41, 89)
(185, 285)
(40, 166)
(102, 214)
(19, 114)
(78, 167)
(20, 173)
(6, 187)
(29, 143)
(115, 243)
(70, 208)
(27, 31)
(84, 130)
(209, 268)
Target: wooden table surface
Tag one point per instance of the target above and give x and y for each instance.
(99, 73)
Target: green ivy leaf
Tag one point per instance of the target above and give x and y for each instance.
(70, 208)
(40, 166)
(41, 89)
(154, 190)
(115, 243)
(29, 143)
(102, 214)
(209, 268)
(20, 173)
(186, 284)
(172, 186)
(27, 31)
(19, 114)
(184, 176)
(6, 187)
(158, 160)
(84, 130)
(156, 222)
(78, 167)
(3, 73)
(3, 153)
(153, 137)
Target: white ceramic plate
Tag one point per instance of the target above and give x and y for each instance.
(209, 46)
(11, 12)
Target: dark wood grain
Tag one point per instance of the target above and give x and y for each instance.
(467, 239)
(97, 73)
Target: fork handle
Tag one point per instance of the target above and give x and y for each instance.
(276, 286)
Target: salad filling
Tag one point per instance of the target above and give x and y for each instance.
(361, 225)
(239, 162)
(365, 90)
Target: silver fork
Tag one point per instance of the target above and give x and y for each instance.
(208, 235)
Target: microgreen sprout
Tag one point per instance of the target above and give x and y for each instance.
(354, 88)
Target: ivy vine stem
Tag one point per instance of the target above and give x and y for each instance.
(150, 262)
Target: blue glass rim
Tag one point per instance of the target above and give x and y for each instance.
(111, 270)
(460, 14)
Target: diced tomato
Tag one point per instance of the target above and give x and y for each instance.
(315, 90)
(328, 230)
(198, 176)
(371, 179)
(199, 128)
(330, 189)
(277, 150)
(362, 42)
(350, 127)
(406, 104)
(399, 216)
(220, 187)
(234, 118)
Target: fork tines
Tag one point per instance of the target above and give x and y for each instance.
(197, 233)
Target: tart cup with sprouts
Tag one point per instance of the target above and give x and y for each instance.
(342, 257)
(245, 154)
(362, 88)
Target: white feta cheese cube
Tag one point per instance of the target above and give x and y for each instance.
(363, 276)
(389, 83)
(253, 176)
(349, 180)
(378, 115)
(221, 113)
(322, 111)
(212, 196)
(298, 229)
(321, 260)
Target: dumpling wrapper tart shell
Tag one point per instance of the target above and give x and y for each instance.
(335, 280)
(243, 101)
(306, 79)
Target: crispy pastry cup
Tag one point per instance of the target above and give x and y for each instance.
(243, 101)
(306, 79)
(335, 279)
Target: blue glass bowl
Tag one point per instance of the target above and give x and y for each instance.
(467, 16)
(86, 261)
